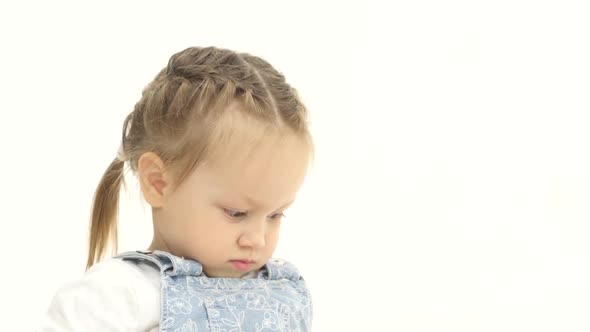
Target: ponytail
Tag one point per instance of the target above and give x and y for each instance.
(105, 208)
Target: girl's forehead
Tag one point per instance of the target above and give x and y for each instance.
(248, 157)
(271, 170)
(238, 135)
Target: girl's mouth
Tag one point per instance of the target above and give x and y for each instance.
(242, 265)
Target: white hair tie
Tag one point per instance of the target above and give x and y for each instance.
(121, 154)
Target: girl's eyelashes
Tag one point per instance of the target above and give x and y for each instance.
(234, 214)
(277, 216)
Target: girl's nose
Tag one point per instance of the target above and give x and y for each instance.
(254, 236)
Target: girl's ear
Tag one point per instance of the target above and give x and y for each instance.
(152, 178)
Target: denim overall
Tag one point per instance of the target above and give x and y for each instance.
(275, 300)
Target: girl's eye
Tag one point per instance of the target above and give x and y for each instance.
(277, 216)
(240, 214)
(234, 213)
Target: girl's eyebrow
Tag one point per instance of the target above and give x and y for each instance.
(286, 205)
(254, 203)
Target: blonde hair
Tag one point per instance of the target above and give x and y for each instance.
(177, 118)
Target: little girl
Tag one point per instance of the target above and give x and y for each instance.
(220, 145)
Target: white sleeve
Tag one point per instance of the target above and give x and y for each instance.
(104, 299)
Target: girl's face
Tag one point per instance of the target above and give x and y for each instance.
(227, 213)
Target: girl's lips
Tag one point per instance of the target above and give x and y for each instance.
(242, 265)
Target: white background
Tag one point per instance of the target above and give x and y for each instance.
(451, 187)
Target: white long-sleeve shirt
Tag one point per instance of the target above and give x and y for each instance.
(113, 295)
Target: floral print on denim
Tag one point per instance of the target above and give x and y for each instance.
(276, 300)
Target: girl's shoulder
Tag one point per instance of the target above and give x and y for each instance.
(122, 294)
(116, 270)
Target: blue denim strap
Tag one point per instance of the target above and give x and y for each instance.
(167, 263)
